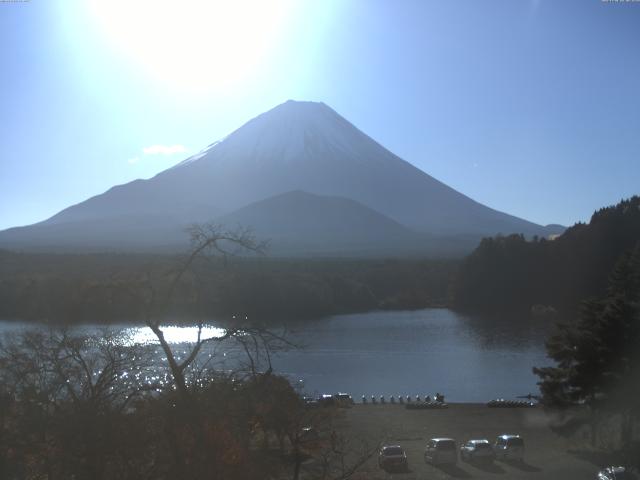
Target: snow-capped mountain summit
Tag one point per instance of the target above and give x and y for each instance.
(291, 132)
(296, 146)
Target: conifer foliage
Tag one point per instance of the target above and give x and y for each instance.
(598, 357)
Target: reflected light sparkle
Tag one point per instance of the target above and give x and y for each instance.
(172, 333)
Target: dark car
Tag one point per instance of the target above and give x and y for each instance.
(309, 435)
(343, 399)
(509, 447)
(479, 450)
(310, 402)
(392, 457)
(327, 400)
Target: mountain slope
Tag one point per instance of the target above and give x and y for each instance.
(115, 233)
(301, 222)
(295, 146)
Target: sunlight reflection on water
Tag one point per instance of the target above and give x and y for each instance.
(470, 358)
(172, 333)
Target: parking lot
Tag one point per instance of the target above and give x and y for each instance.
(547, 456)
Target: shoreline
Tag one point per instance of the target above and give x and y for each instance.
(191, 320)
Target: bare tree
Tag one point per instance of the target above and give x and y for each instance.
(207, 240)
(343, 459)
(72, 408)
(67, 396)
(332, 455)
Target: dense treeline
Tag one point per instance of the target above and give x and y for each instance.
(108, 287)
(512, 273)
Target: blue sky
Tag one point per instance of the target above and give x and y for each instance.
(531, 107)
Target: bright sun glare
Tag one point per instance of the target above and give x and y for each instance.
(194, 44)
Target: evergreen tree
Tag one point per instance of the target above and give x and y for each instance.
(598, 359)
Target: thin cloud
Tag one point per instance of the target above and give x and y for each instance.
(164, 149)
(133, 161)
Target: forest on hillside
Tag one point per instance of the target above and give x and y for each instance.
(511, 273)
(108, 288)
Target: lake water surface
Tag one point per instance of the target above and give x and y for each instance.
(387, 353)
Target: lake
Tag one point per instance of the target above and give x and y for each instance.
(468, 358)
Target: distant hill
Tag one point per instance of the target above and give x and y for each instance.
(511, 273)
(296, 146)
(304, 223)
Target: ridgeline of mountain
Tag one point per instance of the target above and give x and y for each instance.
(295, 147)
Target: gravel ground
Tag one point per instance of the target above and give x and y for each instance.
(547, 456)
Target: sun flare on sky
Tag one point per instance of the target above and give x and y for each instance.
(195, 45)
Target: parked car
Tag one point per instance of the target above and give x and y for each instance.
(509, 447)
(327, 400)
(308, 435)
(310, 402)
(392, 457)
(477, 450)
(615, 473)
(343, 399)
(441, 450)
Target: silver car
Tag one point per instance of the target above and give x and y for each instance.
(477, 450)
(509, 447)
(441, 450)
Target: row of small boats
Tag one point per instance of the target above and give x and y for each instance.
(502, 403)
(402, 399)
(424, 403)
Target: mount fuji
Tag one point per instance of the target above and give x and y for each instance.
(299, 174)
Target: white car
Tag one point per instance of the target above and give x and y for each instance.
(391, 457)
(477, 450)
(441, 450)
(509, 447)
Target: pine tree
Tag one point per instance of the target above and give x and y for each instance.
(598, 359)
